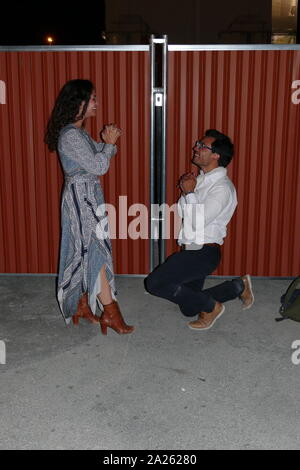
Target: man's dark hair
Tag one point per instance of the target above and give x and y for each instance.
(222, 145)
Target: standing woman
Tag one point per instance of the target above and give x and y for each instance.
(86, 267)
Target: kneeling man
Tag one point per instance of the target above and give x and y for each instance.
(206, 206)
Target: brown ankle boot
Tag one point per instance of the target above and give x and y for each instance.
(84, 311)
(112, 318)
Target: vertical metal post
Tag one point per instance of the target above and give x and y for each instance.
(298, 23)
(159, 50)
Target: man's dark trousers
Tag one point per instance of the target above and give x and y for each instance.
(181, 277)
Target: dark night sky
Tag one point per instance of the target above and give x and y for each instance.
(71, 23)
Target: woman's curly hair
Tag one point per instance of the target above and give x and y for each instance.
(66, 108)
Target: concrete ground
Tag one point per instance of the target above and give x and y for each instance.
(163, 387)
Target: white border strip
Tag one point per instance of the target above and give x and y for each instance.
(171, 47)
(234, 47)
(74, 48)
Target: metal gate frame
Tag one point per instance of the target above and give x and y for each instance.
(272, 266)
(29, 216)
(159, 51)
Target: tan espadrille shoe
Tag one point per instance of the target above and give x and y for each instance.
(206, 320)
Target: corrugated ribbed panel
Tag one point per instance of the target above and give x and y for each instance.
(248, 96)
(31, 178)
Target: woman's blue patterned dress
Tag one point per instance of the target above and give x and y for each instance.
(85, 244)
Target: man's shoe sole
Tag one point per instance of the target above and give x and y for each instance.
(250, 286)
(212, 323)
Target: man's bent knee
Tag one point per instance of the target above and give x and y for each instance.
(155, 286)
(151, 285)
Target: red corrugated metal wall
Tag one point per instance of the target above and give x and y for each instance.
(31, 178)
(247, 95)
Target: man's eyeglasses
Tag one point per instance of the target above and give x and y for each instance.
(200, 145)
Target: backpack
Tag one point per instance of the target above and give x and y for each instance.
(290, 302)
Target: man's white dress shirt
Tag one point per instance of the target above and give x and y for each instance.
(207, 211)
